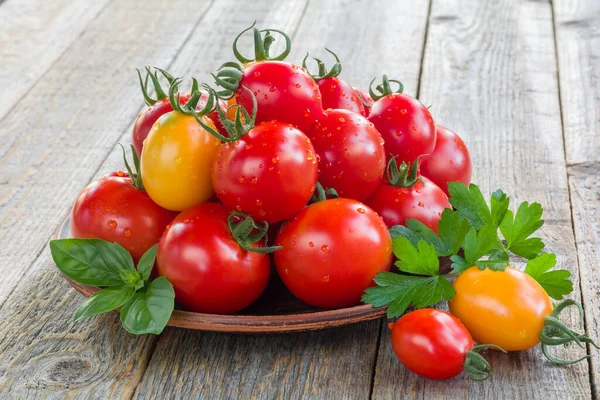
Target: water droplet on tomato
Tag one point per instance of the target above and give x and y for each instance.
(294, 66)
(112, 224)
(271, 168)
(326, 278)
(346, 152)
(398, 133)
(309, 155)
(318, 158)
(275, 160)
(396, 200)
(262, 213)
(254, 180)
(127, 232)
(311, 244)
(260, 165)
(403, 111)
(325, 248)
(341, 119)
(272, 89)
(242, 179)
(420, 204)
(293, 242)
(238, 208)
(339, 128)
(298, 85)
(120, 173)
(178, 160)
(256, 74)
(259, 202)
(360, 210)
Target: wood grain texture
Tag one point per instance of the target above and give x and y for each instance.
(577, 26)
(577, 30)
(336, 363)
(62, 131)
(34, 34)
(490, 73)
(584, 181)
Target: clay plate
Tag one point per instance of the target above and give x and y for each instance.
(276, 311)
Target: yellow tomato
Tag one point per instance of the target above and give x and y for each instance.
(176, 160)
(506, 308)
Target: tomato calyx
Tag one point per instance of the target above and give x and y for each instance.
(322, 194)
(153, 76)
(476, 367)
(384, 88)
(335, 70)
(241, 124)
(136, 177)
(556, 333)
(403, 176)
(189, 108)
(246, 232)
(262, 45)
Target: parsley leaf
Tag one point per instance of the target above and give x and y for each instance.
(452, 229)
(556, 283)
(399, 291)
(479, 243)
(499, 204)
(470, 203)
(423, 261)
(517, 228)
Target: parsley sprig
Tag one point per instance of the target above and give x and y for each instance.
(475, 233)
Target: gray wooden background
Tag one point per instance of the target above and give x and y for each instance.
(519, 80)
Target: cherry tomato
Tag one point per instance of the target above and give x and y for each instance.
(331, 252)
(112, 209)
(176, 161)
(269, 173)
(366, 98)
(337, 94)
(431, 343)
(149, 116)
(450, 160)
(505, 308)
(411, 198)
(351, 154)
(209, 270)
(405, 124)
(284, 92)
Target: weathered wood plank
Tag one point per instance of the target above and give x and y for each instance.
(33, 35)
(62, 131)
(490, 73)
(577, 30)
(584, 181)
(577, 25)
(330, 364)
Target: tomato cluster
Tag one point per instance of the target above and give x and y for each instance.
(328, 171)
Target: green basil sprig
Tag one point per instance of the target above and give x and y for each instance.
(146, 306)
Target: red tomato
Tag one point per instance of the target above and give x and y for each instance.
(112, 209)
(414, 198)
(431, 343)
(450, 160)
(331, 252)
(149, 116)
(270, 173)
(350, 152)
(284, 92)
(406, 126)
(209, 270)
(367, 99)
(339, 94)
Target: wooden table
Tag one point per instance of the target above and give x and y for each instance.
(519, 80)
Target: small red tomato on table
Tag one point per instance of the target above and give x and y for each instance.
(404, 123)
(331, 251)
(268, 171)
(335, 92)
(116, 208)
(407, 195)
(284, 92)
(351, 154)
(215, 265)
(450, 160)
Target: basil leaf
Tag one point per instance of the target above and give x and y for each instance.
(105, 300)
(146, 263)
(150, 309)
(91, 261)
